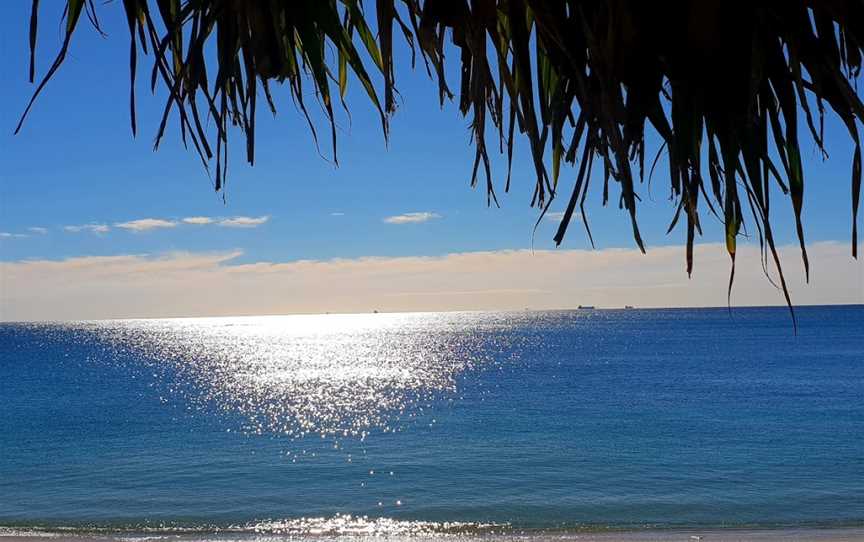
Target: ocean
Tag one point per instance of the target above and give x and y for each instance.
(547, 423)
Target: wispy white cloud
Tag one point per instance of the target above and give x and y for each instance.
(557, 216)
(198, 220)
(182, 284)
(145, 224)
(37, 230)
(244, 221)
(411, 218)
(9, 235)
(337, 213)
(92, 228)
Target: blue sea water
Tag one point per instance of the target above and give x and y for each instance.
(439, 422)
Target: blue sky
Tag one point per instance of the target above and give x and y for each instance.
(76, 163)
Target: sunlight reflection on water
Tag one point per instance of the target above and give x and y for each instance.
(337, 375)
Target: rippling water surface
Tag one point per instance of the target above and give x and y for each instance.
(339, 375)
(410, 424)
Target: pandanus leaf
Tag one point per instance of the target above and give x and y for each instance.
(575, 78)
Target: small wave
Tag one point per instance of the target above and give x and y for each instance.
(10, 532)
(339, 525)
(366, 526)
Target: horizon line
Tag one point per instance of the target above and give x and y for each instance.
(468, 311)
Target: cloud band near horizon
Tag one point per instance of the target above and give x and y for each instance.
(210, 284)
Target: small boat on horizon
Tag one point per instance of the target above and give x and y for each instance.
(586, 307)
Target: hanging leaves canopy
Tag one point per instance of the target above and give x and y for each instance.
(722, 83)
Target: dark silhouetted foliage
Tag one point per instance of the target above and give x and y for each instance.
(722, 82)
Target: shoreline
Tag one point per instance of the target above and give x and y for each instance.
(730, 534)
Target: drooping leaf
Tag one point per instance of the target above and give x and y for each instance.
(574, 79)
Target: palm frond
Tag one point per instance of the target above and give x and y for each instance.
(720, 81)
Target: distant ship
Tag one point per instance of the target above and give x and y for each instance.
(628, 306)
(586, 306)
